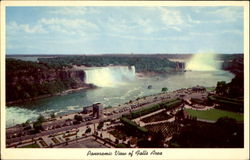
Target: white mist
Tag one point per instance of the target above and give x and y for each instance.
(110, 76)
(203, 62)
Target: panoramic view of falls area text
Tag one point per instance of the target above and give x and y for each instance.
(102, 77)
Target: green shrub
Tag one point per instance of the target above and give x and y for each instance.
(133, 125)
(228, 103)
(78, 118)
(88, 130)
(164, 89)
(100, 125)
(146, 110)
(120, 145)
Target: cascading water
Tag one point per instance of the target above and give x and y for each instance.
(110, 76)
(203, 62)
(17, 115)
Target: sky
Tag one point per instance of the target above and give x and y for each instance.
(100, 30)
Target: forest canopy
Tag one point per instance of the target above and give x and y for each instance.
(142, 64)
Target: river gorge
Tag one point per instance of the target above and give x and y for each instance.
(116, 85)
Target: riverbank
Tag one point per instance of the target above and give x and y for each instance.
(18, 102)
(129, 105)
(87, 86)
(66, 122)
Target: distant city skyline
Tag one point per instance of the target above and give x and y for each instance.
(124, 30)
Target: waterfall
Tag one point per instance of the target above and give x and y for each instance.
(110, 76)
(203, 62)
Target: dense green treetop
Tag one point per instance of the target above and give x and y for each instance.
(143, 63)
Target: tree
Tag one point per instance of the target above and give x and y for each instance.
(229, 124)
(221, 88)
(100, 125)
(78, 118)
(225, 133)
(37, 126)
(164, 89)
(52, 115)
(88, 130)
(116, 141)
(41, 119)
(28, 121)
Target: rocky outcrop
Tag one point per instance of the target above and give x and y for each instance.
(31, 80)
(235, 66)
(180, 66)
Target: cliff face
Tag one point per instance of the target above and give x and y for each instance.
(41, 77)
(235, 66)
(236, 86)
(26, 81)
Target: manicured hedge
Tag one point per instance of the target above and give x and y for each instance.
(228, 103)
(146, 110)
(126, 121)
(120, 145)
(228, 99)
(172, 104)
(196, 100)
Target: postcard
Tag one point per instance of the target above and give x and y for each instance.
(134, 80)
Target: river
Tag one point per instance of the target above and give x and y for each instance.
(113, 94)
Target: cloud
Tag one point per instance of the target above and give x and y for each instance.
(121, 25)
(130, 25)
(177, 19)
(146, 25)
(13, 27)
(151, 38)
(235, 31)
(202, 34)
(193, 21)
(73, 11)
(69, 26)
(172, 18)
(69, 23)
(229, 14)
(59, 25)
(183, 26)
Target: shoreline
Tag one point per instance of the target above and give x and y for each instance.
(144, 99)
(89, 86)
(11, 103)
(106, 109)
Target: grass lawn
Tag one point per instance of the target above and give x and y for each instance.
(210, 88)
(31, 146)
(214, 114)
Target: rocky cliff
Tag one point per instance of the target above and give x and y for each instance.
(236, 86)
(30, 80)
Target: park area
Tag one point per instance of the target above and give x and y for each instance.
(157, 117)
(214, 114)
